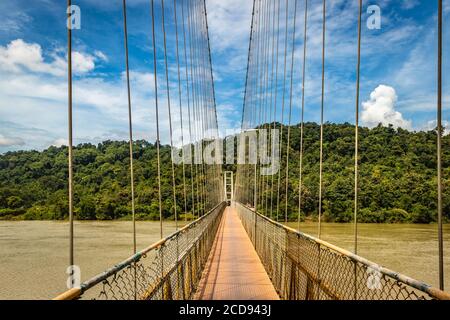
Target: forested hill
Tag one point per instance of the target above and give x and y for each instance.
(397, 173)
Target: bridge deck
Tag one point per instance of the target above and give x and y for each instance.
(234, 270)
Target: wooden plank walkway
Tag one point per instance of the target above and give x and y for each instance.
(234, 270)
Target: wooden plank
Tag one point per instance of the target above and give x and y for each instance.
(234, 270)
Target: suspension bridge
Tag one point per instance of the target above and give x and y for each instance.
(236, 246)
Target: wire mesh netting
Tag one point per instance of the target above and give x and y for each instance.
(304, 268)
(168, 270)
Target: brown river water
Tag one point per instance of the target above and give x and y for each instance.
(34, 255)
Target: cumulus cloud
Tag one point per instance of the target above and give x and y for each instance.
(33, 103)
(9, 141)
(19, 55)
(381, 109)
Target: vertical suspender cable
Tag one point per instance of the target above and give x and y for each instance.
(302, 125)
(268, 112)
(194, 106)
(358, 77)
(275, 101)
(194, 102)
(212, 82)
(321, 117)
(180, 106)
(288, 143)
(283, 104)
(321, 134)
(206, 125)
(130, 121)
(262, 95)
(189, 108)
(260, 100)
(251, 193)
(155, 74)
(201, 101)
(269, 97)
(70, 127)
(439, 148)
(246, 90)
(247, 98)
(174, 190)
(244, 105)
(255, 185)
(169, 109)
(130, 127)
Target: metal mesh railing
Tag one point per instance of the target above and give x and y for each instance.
(302, 267)
(168, 270)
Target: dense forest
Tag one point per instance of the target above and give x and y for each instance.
(397, 174)
(397, 178)
(33, 185)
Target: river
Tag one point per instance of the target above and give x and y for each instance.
(34, 254)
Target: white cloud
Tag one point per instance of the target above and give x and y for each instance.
(101, 56)
(60, 142)
(432, 125)
(9, 142)
(82, 63)
(229, 117)
(33, 104)
(19, 56)
(381, 109)
(13, 21)
(410, 4)
(229, 23)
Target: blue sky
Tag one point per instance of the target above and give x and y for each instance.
(398, 67)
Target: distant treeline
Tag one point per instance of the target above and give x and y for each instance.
(397, 178)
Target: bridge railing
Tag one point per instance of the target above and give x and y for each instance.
(302, 267)
(167, 270)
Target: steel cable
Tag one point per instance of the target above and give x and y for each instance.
(288, 142)
(302, 125)
(322, 119)
(158, 153)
